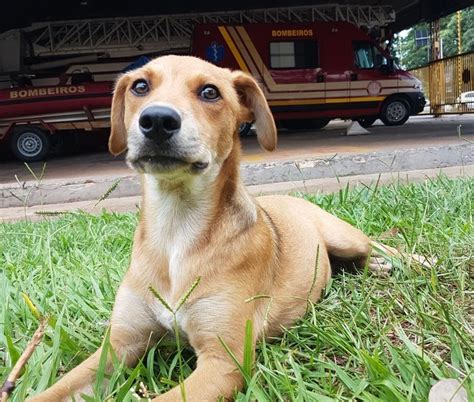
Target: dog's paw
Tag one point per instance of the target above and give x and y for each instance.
(426, 262)
(379, 266)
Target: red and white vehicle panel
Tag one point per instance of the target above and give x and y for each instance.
(21, 102)
(316, 70)
(310, 73)
(29, 115)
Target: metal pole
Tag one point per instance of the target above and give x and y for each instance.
(435, 40)
(458, 16)
(436, 71)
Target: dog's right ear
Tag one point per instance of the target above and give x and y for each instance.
(253, 100)
(118, 132)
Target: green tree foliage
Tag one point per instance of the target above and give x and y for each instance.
(409, 52)
(412, 55)
(467, 27)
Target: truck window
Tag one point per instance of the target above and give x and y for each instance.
(366, 55)
(296, 54)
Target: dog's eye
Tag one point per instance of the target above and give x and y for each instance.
(140, 87)
(209, 93)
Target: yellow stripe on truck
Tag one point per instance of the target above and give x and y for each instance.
(356, 99)
(326, 100)
(233, 49)
(297, 102)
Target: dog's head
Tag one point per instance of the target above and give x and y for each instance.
(182, 114)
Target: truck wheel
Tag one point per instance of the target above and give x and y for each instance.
(30, 144)
(245, 129)
(395, 112)
(367, 121)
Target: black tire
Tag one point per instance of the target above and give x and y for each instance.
(306, 124)
(245, 129)
(395, 111)
(30, 143)
(366, 121)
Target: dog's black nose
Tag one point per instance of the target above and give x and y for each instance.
(159, 123)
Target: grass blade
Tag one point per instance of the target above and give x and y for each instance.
(161, 299)
(247, 364)
(187, 294)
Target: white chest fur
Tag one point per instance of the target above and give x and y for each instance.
(178, 220)
(163, 315)
(169, 321)
(175, 222)
(177, 217)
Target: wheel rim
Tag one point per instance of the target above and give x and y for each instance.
(244, 128)
(29, 144)
(396, 111)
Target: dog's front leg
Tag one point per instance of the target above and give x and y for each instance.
(78, 381)
(210, 321)
(213, 378)
(133, 329)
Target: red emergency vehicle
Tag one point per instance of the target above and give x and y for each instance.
(314, 72)
(30, 115)
(309, 72)
(33, 111)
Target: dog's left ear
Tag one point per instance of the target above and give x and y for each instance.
(118, 132)
(253, 99)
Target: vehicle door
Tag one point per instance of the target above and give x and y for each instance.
(336, 64)
(371, 76)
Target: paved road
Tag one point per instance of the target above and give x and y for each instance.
(418, 132)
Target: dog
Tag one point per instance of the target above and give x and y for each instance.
(178, 118)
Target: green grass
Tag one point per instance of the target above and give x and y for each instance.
(371, 339)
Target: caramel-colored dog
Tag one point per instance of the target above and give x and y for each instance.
(179, 117)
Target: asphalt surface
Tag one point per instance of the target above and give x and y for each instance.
(419, 132)
(305, 161)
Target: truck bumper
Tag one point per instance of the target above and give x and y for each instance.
(417, 102)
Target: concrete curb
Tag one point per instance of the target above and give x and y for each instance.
(325, 185)
(83, 189)
(359, 164)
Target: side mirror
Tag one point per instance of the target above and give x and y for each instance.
(391, 64)
(388, 68)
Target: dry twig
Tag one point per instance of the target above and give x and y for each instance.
(9, 384)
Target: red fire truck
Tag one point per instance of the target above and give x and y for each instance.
(312, 73)
(78, 100)
(31, 115)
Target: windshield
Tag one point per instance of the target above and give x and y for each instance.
(368, 56)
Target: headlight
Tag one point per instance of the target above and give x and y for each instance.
(418, 85)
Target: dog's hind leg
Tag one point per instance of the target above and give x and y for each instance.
(345, 242)
(387, 253)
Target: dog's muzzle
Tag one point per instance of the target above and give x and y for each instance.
(161, 145)
(159, 123)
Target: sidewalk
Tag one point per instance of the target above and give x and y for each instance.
(321, 185)
(59, 191)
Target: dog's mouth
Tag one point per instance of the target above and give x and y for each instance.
(165, 163)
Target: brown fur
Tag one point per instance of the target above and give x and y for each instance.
(204, 224)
